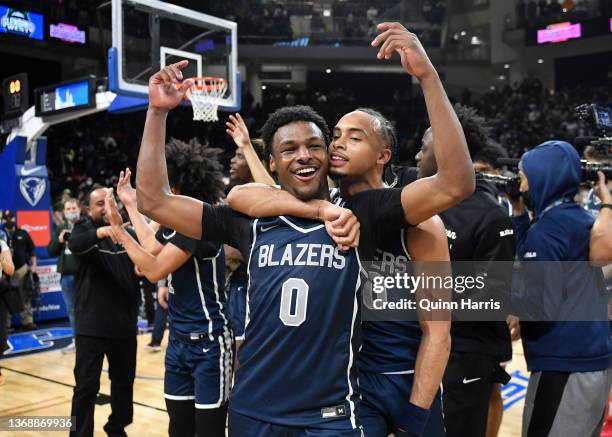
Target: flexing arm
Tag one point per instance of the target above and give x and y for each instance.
(154, 198)
(144, 231)
(237, 129)
(260, 200)
(427, 243)
(600, 246)
(154, 267)
(455, 177)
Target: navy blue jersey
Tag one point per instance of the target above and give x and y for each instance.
(196, 303)
(298, 359)
(389, 346)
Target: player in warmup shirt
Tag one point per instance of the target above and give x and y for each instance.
(199, 358)
(298, 371)
(360, 149)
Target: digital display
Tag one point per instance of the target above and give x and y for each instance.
(559, 32)
(23, 23)
(15, 94)
(65, 96)
(603, 118)
(67, 33)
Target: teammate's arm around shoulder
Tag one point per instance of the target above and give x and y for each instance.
(153, 195)
(428, 248)
(455, 177)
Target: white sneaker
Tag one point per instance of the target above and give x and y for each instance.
(70, 349)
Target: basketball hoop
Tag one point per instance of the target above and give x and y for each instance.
(205, 94)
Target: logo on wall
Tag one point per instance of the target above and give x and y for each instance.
(32, 189)
(24, 23)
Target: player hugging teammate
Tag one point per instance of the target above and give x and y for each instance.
(299, 362)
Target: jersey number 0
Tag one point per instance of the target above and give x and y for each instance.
(294, 287)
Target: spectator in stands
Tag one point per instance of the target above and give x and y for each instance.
(66, 261)
(23, 250)
(7, 268)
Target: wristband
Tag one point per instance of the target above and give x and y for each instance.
(605, 205)
(413, 419)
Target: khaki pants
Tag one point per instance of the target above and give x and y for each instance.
(26, 315)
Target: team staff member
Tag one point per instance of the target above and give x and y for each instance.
(478, 230)
(23, 250)
(106, 314)
(66, 261)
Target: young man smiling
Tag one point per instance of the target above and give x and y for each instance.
(298, 371)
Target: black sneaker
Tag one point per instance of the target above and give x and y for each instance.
(153, 346)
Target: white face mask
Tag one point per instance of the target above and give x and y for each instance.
(72, 216)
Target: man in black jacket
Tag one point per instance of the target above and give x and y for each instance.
(478, 230)
(106, 309)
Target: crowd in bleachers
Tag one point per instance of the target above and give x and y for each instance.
(530, 13)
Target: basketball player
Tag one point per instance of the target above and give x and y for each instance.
(361, 148)
(199, 358)
(297, 375)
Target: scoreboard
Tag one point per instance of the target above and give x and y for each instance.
(65, 96)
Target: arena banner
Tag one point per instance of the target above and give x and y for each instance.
(26, 189)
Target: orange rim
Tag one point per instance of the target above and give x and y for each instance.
(208, 83)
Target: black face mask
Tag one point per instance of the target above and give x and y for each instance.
(9, 225)
(526, 195)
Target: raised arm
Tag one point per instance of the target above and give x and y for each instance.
(154, 267)
(153, 195)
(428, 249)
(455, 177)
(144, 231)
(237, 129)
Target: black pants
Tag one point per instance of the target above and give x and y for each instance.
(3, 329)
(187, 420)
(468, 381)
(121, 355)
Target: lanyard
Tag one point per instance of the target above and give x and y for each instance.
(554, 204)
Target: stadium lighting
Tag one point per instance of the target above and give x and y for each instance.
(463, 33)
(263, 87)
(328, 70)
(506, 66)
(540, 61)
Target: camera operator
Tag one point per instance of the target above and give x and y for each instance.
(66, 261)
(570, 361)
(6, 268)
(479, 230)
(593, 201)
(23, 250)
(600, 249)
(106, 310)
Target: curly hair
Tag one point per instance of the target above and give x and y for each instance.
(491, 153)
(290, 114)
(195, 169)
(476, 129)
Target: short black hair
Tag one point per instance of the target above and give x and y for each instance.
(195, 169)
(491, 153)
(385, 129)
(477, 131)
(291, 114)
(259, 147)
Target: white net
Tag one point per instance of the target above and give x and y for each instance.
(204, 95)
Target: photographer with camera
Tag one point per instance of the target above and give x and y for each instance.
(66, 261)
(570, 361)
(600, 249)
(7, 268)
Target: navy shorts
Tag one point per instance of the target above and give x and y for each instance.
(236, 308)
(382, 397)
(243, 426)
(199, 370)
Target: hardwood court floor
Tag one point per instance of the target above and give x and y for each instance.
(41, 385)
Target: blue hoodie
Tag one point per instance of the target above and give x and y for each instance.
(560, 231)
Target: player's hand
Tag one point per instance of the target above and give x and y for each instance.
(237, 129)
(602, 190)
(162, 297)
(167, 87)
(62, 235)
(341, 224)
(125, 191)
(514, 326)
(112, 210)
(106, 231)
(138, 272)
(396, 38)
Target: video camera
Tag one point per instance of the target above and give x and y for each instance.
(600, 121)
(510, 182)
